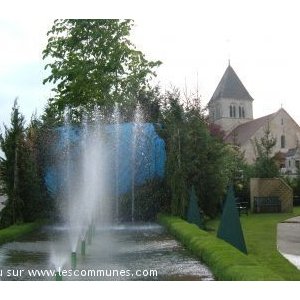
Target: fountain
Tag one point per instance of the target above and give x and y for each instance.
(136, 131)
(92, 172)
(84, 182)
(58, 276)
(83, 247)
(73, 260)
(96, 163)
(116, 122)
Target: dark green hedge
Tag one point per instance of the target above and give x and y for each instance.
(225, 261)
(15, 231)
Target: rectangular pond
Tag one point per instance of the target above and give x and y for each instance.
(123, 252)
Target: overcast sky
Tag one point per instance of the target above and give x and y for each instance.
(193, 39)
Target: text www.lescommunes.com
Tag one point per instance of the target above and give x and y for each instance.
(107, 273)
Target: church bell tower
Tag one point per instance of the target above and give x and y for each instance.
(230, 104)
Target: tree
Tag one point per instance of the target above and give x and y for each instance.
(194, 156)
(265, 164)
(12, 144)
(93, 62)
(20, 179)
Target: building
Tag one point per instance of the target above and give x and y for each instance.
(231, 107)
(292, 161)
(231, 104)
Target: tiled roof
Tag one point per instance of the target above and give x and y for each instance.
(245, 131)
(231, 87)
(291, 152)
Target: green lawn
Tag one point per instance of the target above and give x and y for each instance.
(260, 235)
(15, 231)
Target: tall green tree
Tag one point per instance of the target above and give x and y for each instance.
(20, 180)
(11, 144)
(93, 62)
(194, 156)
(265, 164)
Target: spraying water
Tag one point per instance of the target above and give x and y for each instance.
(116, 121)
(91, 168)
(138, 119)
(84, 168)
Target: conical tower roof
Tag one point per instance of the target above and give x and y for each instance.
(231, 87)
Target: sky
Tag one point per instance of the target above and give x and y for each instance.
(193, 39)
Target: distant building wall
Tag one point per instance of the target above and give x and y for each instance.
(281, 125)
(272, 187)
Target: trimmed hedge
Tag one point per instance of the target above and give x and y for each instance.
(13, 232)
(225, 261)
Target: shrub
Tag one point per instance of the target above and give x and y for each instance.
(225, 261)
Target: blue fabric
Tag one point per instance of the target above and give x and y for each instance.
(149, 162)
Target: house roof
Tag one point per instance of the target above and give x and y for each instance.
(245, 131)
(231, 87)
(291, 152)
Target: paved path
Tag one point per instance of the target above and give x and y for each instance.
(288, 240)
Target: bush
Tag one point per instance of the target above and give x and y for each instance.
(150, 199)
(225, 261)
(15, 231)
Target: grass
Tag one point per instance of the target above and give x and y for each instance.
(225, 261)
(13, 232)
(260, 232)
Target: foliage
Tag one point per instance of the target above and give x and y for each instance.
(225, 261)
(294, 183)
(20, 179)
(260, 232)
(193, 213)
(194, 156)
(93, 63)
(265, 164)
(13, 146)
(13, 232)
(150, 199)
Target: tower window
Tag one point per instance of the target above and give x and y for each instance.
(218, 111)
(282, 141)
(234, 112)
(241, 112)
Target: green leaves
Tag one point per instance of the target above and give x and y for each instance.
(194, 156)
(20, 180)
(93, 61)
(265, 165)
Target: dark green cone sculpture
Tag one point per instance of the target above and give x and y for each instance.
(193, 214)
(230, 229)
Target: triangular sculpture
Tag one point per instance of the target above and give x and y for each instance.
(193, 213)
(230, 229)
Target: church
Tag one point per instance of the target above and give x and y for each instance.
(231, 107)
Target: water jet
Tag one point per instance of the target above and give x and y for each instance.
(58, 276)
(83, 247)
(73, 260)
(89, 235)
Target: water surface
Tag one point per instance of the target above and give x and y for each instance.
(123, 252)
